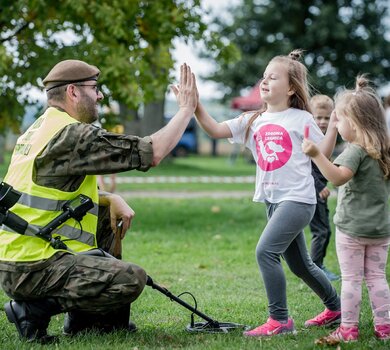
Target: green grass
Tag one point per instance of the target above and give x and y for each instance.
(185, 187)
(194, 166)
(206, 247)
(199, 166)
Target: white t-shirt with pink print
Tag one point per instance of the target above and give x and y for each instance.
(283, 171)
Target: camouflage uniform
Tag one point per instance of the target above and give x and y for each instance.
(88, 283)
(82, 149)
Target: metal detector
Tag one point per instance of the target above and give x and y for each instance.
(211, 326)
(77, 208)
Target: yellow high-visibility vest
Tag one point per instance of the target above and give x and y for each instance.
(38, 205)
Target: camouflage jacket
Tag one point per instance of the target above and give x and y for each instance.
(84, 149)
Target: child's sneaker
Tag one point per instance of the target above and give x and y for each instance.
(272, 327)
(382, 332)
(340, 335)
(325, 318)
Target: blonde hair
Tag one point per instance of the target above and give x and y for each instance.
(297, 74)
(363, 108)
(322, 101)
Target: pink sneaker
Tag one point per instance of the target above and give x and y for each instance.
(325, 318)
(272, 327)
(340, 335)
(382, 332)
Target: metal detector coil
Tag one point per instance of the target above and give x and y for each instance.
(210, 326)
(220, 327)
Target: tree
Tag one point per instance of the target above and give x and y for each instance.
(129, 40)
(341, 38)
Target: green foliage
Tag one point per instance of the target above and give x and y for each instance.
(129, 40)
(341, 39)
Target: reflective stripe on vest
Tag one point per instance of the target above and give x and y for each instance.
(39, 205)
(48, 204)
(65, 231)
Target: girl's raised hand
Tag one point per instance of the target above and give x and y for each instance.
(186, 92)
(333, 120)
(310, 148)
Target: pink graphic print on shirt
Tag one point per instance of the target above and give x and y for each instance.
(273, 147)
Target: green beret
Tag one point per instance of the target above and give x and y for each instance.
(68, 72)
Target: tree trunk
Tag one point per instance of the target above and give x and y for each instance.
(153, 118)
(214, 151)
(130, 119)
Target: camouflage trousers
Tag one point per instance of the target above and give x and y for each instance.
(89, 283)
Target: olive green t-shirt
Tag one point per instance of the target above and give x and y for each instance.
(362, 204)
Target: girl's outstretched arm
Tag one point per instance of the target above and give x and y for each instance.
(210, 125)
(165, 139)
(337, 175)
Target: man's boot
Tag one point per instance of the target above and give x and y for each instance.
(32, 318)
(77, 321)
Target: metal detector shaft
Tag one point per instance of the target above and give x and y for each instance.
(166, 292)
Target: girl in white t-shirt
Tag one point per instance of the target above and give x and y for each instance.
(284, 182)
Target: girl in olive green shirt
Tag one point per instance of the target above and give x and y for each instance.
(362, 214)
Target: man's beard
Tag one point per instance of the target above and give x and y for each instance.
(86, 109)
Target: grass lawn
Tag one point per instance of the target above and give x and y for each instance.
(194, 166)
(204, 246)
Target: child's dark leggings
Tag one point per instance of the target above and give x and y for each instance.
(283, 236)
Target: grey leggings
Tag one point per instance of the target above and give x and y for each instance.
(283, 236)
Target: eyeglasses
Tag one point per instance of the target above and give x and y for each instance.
(97, 87)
